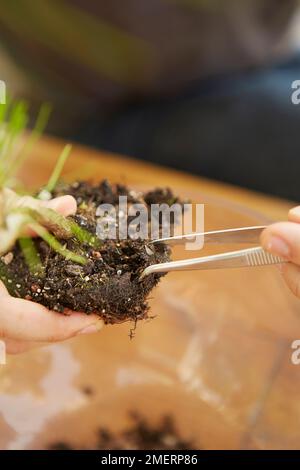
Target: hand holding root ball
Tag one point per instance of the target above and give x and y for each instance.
(25, 325)
(283, 239)
(69, 268)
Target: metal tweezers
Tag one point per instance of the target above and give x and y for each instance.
(256, 256)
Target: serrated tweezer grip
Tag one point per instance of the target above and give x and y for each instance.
(249, 257)
(259, 257)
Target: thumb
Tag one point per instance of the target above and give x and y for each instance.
(65, 205)
(283, 239)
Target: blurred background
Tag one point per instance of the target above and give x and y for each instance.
(199, 85)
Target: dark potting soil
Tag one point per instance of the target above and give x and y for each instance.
(108, 284)
(141, 435)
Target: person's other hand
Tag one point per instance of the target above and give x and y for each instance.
(25, 325)
(283, 239)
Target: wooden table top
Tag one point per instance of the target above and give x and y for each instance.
(216, 357)
(85, 162)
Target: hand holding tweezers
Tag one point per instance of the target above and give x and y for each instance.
(256, 256)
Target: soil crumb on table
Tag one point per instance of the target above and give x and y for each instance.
(108, 284)
(140, 435)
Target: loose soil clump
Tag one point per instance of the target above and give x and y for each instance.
(140, 435)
